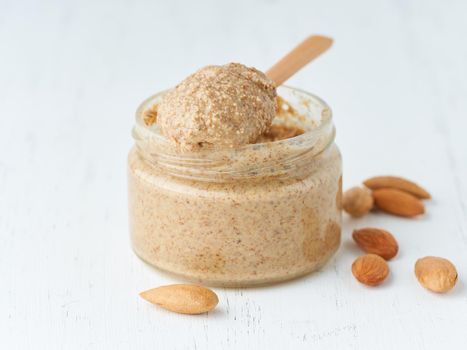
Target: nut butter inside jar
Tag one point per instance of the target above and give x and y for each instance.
(258, 214)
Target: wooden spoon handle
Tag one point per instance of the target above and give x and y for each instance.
(307, 50)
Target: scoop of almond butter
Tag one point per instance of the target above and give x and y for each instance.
(229, 105)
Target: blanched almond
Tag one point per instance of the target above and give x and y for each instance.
(357, 201)
(436, 274)
(182, 298)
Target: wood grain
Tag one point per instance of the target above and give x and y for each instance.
(298, 57)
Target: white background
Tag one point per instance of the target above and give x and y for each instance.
(71, 76)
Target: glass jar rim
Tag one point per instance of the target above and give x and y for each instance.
(274, 158)
(326, 110)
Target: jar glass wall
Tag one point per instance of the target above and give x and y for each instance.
(257, 214)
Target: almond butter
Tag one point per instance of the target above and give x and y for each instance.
(398, 202)
(182, 298)
(397, 183)
(357, 201)
(370, 269)
(376, 241)
(150, 115)
(436, 274)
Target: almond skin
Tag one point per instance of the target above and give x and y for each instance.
(182, 298)
(357, 201)
(370, 269)
(397, 183)
(376, 241)
(398, 202)
(436, 274)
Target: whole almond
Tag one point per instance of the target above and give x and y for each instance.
(397, 183)
(436, 274)
(370, 269)
(398, 202)
(376, 241)
(357, 201)
(182, 298)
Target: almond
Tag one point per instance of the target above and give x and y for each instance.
(370, 269)
(436, 274)
(182, 298)
(397, 183)
(398, 202)
(357, 201)
(376, 241)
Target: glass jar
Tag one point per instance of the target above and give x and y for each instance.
(258, 214)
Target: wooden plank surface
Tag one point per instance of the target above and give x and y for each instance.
(71, 76)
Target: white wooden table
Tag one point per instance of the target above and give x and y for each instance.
(71, 76)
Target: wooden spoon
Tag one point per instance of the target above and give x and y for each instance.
(306, 51)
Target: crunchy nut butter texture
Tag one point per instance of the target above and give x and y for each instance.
(229, 105)
(229, 216)
(236, 233)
